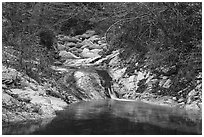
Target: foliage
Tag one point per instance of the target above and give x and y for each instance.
(166, 37)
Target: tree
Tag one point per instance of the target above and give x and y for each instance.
(164, 38)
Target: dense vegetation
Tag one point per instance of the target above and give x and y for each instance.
(164, 38)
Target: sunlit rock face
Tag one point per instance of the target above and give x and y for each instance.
(146, 85)
(85, 84)
(27, 101)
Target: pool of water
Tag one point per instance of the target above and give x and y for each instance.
(111, 117)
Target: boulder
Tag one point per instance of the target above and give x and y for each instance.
(102, 42)
(94, 38)
(9, 75)
(167, 84)
(73, 49)
(46, 110)
(80, 62)
(60, 37)
(90, 32)
(70, 44)
(86, 43)
(193, 106)
(87, 34)
(86, 53)
(117, 73)
(67, 55)
(95, 46)
(77, 53)
(61, 47)
(96, 51)
(87, 84)
(78, 45)
(104, 46)
(57, 63)
(70, 39)
(7, 99)
(57, 103)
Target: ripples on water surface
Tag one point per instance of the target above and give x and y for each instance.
(112, 117)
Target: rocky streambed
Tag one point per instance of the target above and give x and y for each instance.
(87, 73)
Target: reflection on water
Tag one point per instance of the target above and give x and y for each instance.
(112, 117)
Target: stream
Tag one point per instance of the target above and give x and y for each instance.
(113, 117)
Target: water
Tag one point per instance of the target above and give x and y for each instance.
(102, 117)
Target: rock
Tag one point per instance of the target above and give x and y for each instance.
(61, 47)
(33, 86)
(95, 46)
(23, 92)
(108, 57)
(4, 86)
(115, 61)
(53, 92)
(60, 37)
(86, 53)
(192, 95)
(89, 44)
(57, 103)
(174, 98)
(40, 100)
(163, 80)
(87, 34)
(78, 45)
(59, 69)
(46, 110)
(70, 45)
(167, 84)
(200, 105)
(80, 62)
(78, 37)
(117, 73)
(9, 75)
(129, 83)
(102, 42)
(104, 46)
(182, 104)
(193, 106)
(73, 49)
(58, 63)
(180, 100)
(86, 43)
(71, 39)
(6, 99)
(84, 84)
(26, 103)
(79, 50)
(23, 95)
(84, 36)
(77, 53)
(90, 32)
(96, 51)
(48, 105)
(94, 38)
(67, 55)
(90, 84)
